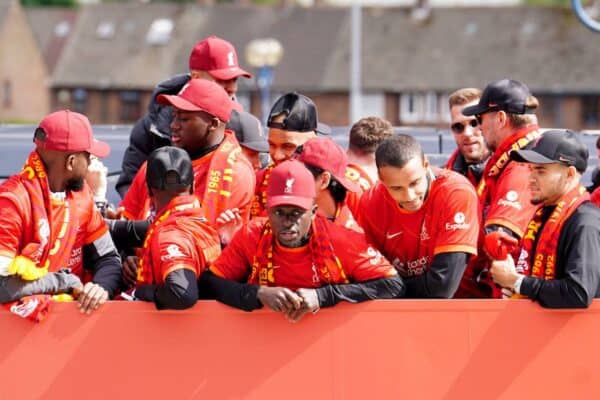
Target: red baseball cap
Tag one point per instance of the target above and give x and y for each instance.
(200, 95)
(327, 155)
(69, 131)
(217, 57)
(291, 184)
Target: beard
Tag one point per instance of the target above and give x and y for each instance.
(536, 202)
(75, 184)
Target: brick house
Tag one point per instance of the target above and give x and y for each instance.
(118, 52)
(24, 77)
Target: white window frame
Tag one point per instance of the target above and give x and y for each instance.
(431, 108)
(408, 115)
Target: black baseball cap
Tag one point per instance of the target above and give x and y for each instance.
(503, 95)
(248, 131)
(559, 146)
(300, 114)
(169, 168)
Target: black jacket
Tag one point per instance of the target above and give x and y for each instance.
(577, 280)
(149, 133)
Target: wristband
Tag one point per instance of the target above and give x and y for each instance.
(517, 285)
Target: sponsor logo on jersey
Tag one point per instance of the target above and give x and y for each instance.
(459, 223)
(411, 268)
(511, 200)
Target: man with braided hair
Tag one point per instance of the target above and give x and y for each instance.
(297, 261)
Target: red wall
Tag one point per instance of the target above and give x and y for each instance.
(457, 349)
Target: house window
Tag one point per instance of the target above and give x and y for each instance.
(431, 107)
(130, 105)
(6, 94)
(411, 107)
(159, 32)
(444, 107)
(79, 100)
(373, 105)
(589, 110)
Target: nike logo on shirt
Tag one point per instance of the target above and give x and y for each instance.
(392, 235)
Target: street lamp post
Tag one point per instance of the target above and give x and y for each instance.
(264, 54)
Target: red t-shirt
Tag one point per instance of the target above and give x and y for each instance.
(508, 204)
(137, 201)
(293, 268)
(447, 222)
(359, 176)
(182, 241)
(17, 225)
(509, 201)
(344, 217)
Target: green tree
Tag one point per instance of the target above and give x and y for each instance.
(548, 2)
(56, 3)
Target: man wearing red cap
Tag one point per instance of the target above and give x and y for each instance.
(52, 237)
(297, 261)
(223, 177)
(423, 219)
(212, 58)
(327, 161)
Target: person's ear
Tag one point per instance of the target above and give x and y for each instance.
(323, 180)
(502, 117)
(70, 162)
(313, 210)
(425, 162)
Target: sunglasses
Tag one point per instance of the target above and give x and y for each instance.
(459, 127)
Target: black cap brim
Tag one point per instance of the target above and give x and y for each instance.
(474, 110)
(533, 157)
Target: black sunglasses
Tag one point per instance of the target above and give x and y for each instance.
(459, 127)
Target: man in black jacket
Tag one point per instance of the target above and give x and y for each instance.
(558, 264)
(212, 58)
